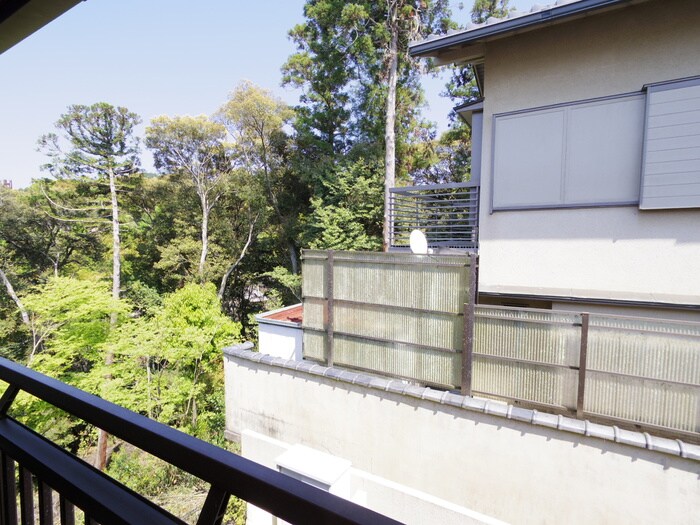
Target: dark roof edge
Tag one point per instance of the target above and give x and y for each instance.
(473, 104)
(631, 303)
(425, 48)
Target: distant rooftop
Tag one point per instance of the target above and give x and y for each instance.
(515, 21)
(289, 314)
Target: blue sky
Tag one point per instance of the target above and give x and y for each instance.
(155, 57)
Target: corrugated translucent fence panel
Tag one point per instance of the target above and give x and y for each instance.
(663, 357)
(314, 344)
(396, 279)
(513, 348)
(403, 326)
(392, 313)
(314, 274)
(314, 313)
(395, 359)
(525, 382)
(645, 347)
(644, 401)
(546, 336)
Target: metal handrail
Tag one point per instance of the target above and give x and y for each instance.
(448, 215)
(229, 474)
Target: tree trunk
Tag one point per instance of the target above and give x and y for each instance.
(228, 273)
(205, 237)
(390, 124)
(101, 456)
(293, 257)
(11, 291)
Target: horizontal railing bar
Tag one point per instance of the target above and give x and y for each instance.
(523, 309)
(430, 187)
(524, 361)
(421, 198)
(385, 306)
(290, 499)
(532, 321)
(640, 330)
(658, 430)
(466, 200)
(383, 340)
(439, 232)
(406, 215)
(524, 402)
(462, 206)
(454, 206)
(645, 378)
(441, 223)
(465, 244)
(428, 260)
(442, 386)
(90, 489)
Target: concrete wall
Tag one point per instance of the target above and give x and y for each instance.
(510, 470)
(610, 253)
(280, 339)
(391, 499)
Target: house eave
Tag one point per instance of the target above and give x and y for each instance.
(21, 18)
(468, 44)
(654, 301)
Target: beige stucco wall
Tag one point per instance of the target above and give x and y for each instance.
(610, 253)
(392, 499)
(506, 469)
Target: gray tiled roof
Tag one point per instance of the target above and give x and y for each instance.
(540, 13)
(674, 447)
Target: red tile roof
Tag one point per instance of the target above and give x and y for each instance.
(291, 315)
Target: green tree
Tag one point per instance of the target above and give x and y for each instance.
(101, 144)
(193, 147)
(485, 9)
(255, 120)
(360, 86)
(349, 216)
(73, 318)
(453, 150)
(169, 366)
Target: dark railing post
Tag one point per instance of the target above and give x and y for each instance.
(9, 496)
(46, 504)
(582, 366)
(26, 497)
(8, 396)
(469, 320)
(67, 511)
(329, 309)
(214, 507)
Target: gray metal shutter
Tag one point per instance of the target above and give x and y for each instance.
(671, 166)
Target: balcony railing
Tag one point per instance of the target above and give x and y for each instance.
(448, 215)
(27, 458)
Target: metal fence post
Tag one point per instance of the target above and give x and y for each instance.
(582, 366)
(329, 306)
(469, 312)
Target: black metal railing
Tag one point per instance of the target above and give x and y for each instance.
(28, 461)
(448, 215)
